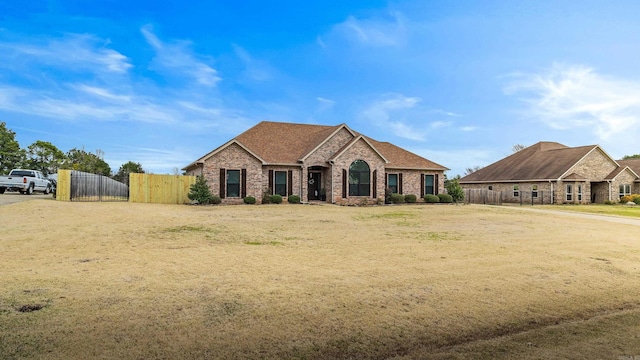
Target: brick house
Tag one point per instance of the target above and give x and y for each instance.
(324, 163)
(549, 172)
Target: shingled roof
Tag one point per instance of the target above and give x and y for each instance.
(541, 161)
(633, 164)
(288, 143)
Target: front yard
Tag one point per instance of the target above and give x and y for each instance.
(132, 281)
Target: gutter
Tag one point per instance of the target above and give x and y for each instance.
(333, 196)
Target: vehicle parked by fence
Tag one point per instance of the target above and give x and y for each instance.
(25, 181)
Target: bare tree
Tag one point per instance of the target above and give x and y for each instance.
(517, 147)
(471, 170)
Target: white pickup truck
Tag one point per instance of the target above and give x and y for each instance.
(25, 181)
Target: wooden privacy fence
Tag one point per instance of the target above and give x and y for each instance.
(73, 185)
(482, 196)
(160, 189)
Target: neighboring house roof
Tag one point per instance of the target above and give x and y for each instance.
(633, 164)
(541, 161)
(289, 143)
(620, 170)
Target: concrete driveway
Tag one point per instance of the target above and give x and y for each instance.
(597, 217)
(14, 197)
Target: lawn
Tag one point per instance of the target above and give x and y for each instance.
(616, 210)
(140, 281)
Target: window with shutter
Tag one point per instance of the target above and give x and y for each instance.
(233, 183)
(359, 179)
(429, 188)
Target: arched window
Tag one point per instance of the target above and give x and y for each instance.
(359, 179)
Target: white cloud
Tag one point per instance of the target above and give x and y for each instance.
(377, 32)
(73, 52)
(390, 112)
(440, 124)
(577, 97)
(103, 93)
(177, 57)
(254, 69)
(325, 101)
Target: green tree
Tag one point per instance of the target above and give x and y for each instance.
(81, 160)
(11, 156)
(44, 156)
(200, 191)
(454, 189)
(127, 168)
(627, 157)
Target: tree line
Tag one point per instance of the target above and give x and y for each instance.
(47, 158)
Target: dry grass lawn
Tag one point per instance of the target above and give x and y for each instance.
(138, 281)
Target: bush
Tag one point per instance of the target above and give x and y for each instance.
(625, 199)
(249, 200)
(387, 195)
(397, 199)
(294, 199)
(200, 191)
(445, 198)
(635, 198)
(454, 189)
(430, 198)
(275, 199)
(410, 198)
(265, 196)
(215, 199)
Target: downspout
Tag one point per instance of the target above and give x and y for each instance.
(301, 178)
(609, 182)
(553, 200)
(333, 196)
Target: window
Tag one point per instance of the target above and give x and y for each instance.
(625, 189)
(429, 184)
(579, 192)
(233, 183)
(359, 179)
(569, 192)
(392, 183)
(516, 190)
(280, 183)
(490, 187)
(534, 191)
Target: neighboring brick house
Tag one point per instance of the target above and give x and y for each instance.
(549, 172)
(330, 163)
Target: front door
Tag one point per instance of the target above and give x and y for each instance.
(314, 185)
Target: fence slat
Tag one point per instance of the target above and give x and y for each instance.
(63, 187)
(160, 189)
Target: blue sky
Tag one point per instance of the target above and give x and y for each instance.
(458, 82)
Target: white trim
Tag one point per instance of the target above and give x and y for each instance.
(224, 146)
(621, 171)
(340, 127)
(443, 169)
(587, 154)
(353, 142)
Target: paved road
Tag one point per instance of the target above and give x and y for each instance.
(14, 197)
